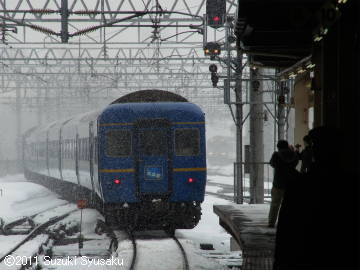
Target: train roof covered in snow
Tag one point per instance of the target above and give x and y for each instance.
(152, 95)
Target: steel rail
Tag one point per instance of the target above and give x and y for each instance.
(185, 259)
(38, 229)
(133, 241)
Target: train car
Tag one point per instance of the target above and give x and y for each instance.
(141, 160)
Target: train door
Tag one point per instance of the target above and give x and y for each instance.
(153, 158)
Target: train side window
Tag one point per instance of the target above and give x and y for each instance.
(67, 148)
(118, 143)
(72, 153)
(79, 148)
(63, 149)
(62, 146)
(187, 142)
(73, 147)
(32, 150)
(95, 150)
(83, 149)
(87, 150)
(51, 150)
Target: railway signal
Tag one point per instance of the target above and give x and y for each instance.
(81, 204)
(215, 13)
(212, 49)
(214, 76)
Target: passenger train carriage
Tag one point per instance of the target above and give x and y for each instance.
(141, 160)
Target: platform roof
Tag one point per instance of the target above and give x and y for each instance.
(277, 33)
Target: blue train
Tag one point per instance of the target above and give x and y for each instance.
(141, 160)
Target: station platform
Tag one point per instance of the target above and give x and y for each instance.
(248, 226)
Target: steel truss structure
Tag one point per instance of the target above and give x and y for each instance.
(112, 49)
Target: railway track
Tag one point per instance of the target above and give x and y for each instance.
(185, 259)
(135, 249)
(7, 260)
(23, 225)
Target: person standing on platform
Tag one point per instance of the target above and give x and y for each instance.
(318, 220)
(306, 155)
(283, 161)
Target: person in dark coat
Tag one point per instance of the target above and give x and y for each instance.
(283, 161)
(317, 227)
(306, 155)
(330, 230)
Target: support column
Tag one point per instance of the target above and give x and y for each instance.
(256, 138)
(281, 113)
(239, 126)
(301, 98)
(58, 102)
(18, 123)
(39, 105)
(47, 105)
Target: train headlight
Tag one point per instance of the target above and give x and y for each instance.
(190, 180)
(117, 181)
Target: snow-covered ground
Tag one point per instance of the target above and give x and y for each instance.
(21, 198)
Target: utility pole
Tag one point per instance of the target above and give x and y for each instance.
(238, 170)
(239, 125)
(256, 138)
(39, 104)
(58, 104)
(18, 122)
(64, 21)
(47, 105)
(281, 110)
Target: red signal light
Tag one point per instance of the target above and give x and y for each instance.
(117, 181)
(190, 180)
(81, 204)
(216, 18)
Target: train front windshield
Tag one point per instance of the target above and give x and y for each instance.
(153, 142)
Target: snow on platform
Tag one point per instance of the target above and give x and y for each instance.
(208, 229)
(248, 225)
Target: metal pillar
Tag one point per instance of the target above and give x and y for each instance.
(47, 105)
(256, 138)
(18, 123)
(39, 105)
(281, 112)
(64, 21)
(239, 125)
(58, 104)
